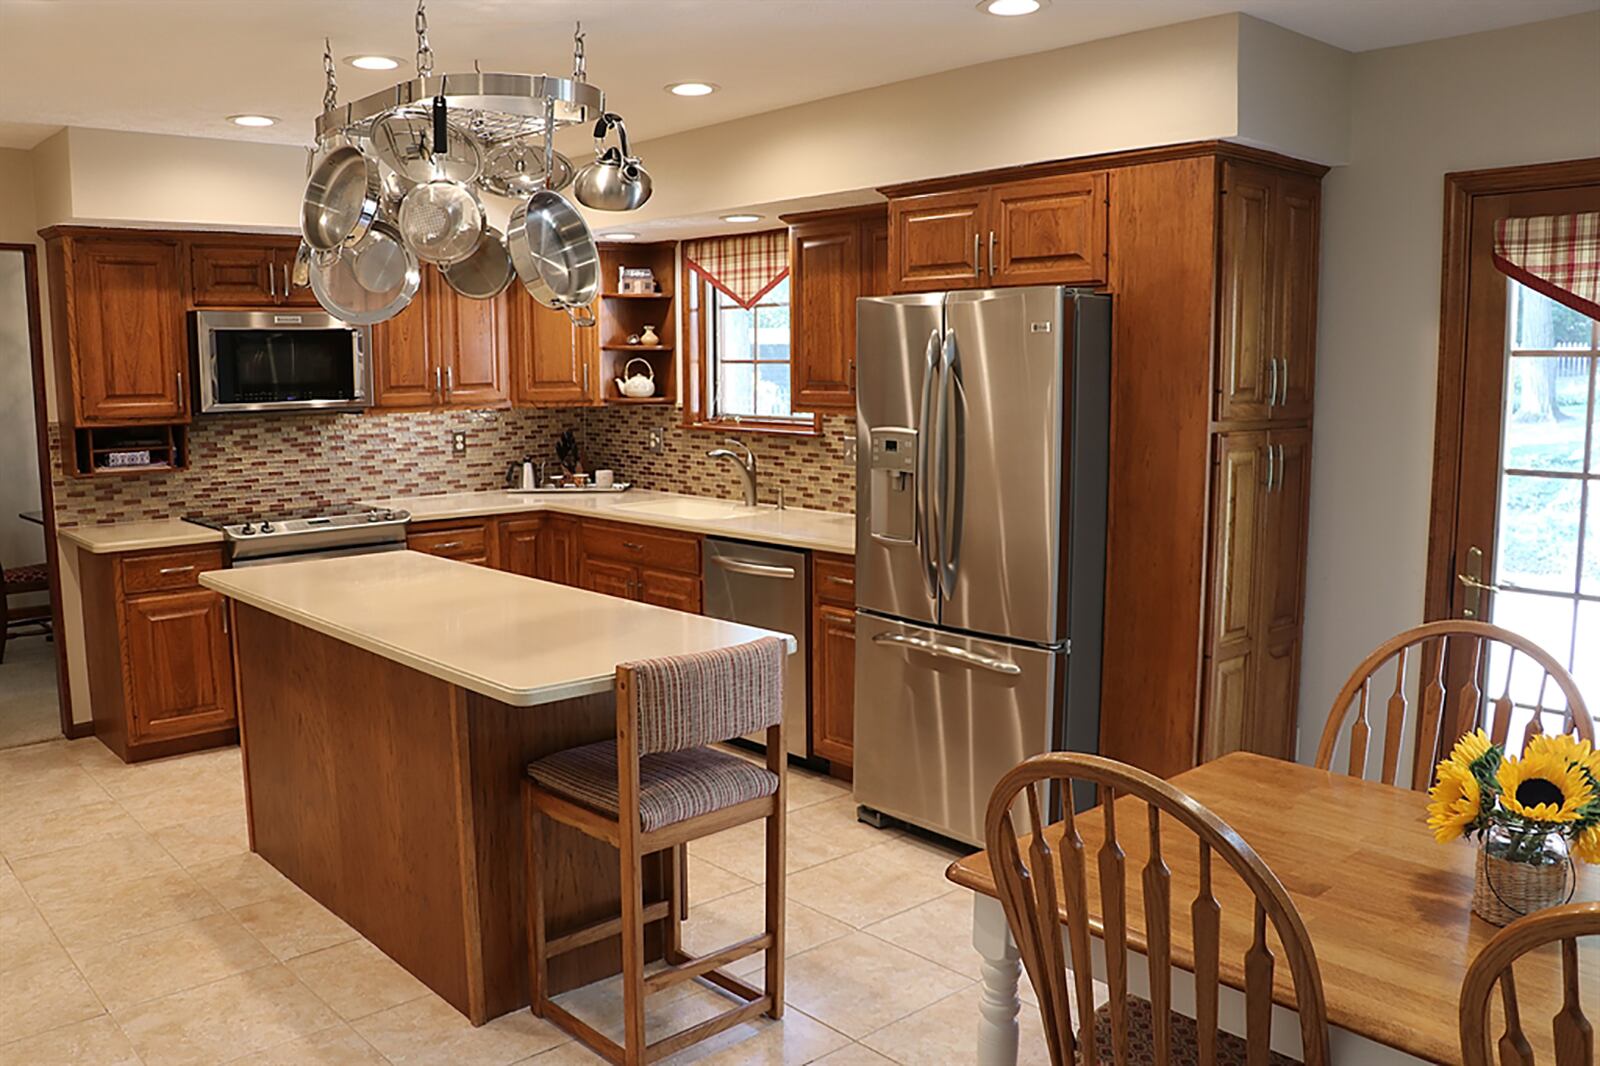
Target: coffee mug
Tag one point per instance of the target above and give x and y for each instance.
(604, 479)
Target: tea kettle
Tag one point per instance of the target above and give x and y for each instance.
(615, 181)
(637, 386)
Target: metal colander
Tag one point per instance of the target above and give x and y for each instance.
(442, 221)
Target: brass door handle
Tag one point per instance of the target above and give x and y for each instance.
(1472, 580)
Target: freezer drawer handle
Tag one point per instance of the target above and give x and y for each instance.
(738, 566)
(946, 651)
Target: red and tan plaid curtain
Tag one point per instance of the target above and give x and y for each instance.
(1557, 255)
(743, 268)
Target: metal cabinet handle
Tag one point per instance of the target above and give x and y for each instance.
(586, 379)
(632, 546)
(1283, 383)
(224, 619)
(449, 380)
(739, 566)
(946, 651)
(976, 240)
(180, 388)
(175, 569)
(438, 381)
(286, 277)
(1272, 388)
(447, 544)
(1280, 469)
(837, 580)
(272, 280)
(1268, 488)
(991, 253)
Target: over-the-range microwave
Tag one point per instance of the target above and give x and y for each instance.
(254, 361)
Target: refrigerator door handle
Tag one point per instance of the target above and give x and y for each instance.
(947, 651)
(952, 476)
(926, 555)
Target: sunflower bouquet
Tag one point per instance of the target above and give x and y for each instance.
(1532, 815)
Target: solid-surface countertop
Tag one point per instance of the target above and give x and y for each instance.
(137, 536)
(514, 639)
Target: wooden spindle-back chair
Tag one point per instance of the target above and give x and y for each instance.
(1573, 1032)
(1044, 886)
(1434, 734)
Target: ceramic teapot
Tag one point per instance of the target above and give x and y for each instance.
(637, 386)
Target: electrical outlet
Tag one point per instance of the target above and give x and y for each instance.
(458, 441)
(658, 440)
(850, 448)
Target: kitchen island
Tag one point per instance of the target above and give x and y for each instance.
(388, 704)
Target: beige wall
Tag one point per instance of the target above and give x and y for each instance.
(1522, 95)
(1294, 93)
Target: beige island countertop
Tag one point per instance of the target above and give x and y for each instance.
(513, 639)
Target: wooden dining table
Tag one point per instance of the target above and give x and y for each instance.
(1388, 909)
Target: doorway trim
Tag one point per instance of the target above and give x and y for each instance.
(47, 502)
(1451, 416)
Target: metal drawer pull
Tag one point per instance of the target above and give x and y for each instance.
(755, 569)
(447, 544)
(631, 546)
(945, 651)
(837, 580)
(175, 569)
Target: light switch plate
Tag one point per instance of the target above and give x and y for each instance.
(458, 441)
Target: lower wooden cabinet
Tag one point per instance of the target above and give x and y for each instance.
(833, 659)
(639, 563)
(159, 656)
(467, 541)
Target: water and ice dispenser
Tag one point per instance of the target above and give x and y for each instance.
(893, 463)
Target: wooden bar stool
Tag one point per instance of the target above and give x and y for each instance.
(655, 787)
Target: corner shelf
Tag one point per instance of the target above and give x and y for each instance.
(639, 401)
(636, 295)
(636, 347)
(625, 314)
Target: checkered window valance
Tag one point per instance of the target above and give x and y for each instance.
(743, 268)
(1557, 255)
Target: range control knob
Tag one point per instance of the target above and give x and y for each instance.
(248, 530)
(266, 527)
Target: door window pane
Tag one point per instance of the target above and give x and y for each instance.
(1586, 658)
(1539, 532)
(1547, 412)
(1545, 620)
(1591, 548)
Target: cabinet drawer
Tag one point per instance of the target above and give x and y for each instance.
(678, 591)
(467, 543)
(167, 570)
(645, 547)
(834, 578)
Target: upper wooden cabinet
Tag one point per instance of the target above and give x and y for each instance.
(555, 362)
(1044, 231)
(228, 271)
(117, 305)
(1266, 332)
(444, 350)
(834, 257)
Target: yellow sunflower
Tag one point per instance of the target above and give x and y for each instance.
(1469, 749)
(1568, 748)
(1457, 799)
(1544, 787)
(1586, 845)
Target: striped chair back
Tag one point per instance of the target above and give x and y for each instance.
(689, 701)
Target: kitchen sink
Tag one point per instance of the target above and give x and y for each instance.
(691, 509)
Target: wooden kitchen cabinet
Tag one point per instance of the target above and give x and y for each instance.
(557, 362)
(558, 549)
(402, 364)
(519, 545)
(158, 652)
(681, 592)
(834, 257)
(232, 271)
(1266, 332)
(465, 540)
(444, 350)
(640, 563)
(833, 659)
(117, 306)
(1050, 230)
(613, 579)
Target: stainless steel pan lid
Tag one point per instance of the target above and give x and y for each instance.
(515, 169)
(404, 144)
(485, 273)
(370, 282)
(553, 252)
(342, 199)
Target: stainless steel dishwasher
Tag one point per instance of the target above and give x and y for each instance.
(766, 587)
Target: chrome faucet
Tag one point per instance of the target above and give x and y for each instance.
(746, 464)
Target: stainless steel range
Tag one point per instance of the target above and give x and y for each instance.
(254, 539)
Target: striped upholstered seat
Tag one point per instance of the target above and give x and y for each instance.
(673, 785)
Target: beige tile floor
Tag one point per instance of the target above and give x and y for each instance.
(136, 927)
(29, 710)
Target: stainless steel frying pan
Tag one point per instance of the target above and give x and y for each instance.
(554, 254)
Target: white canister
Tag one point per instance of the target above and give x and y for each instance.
(604, 479)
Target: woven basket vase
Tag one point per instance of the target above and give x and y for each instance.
(1503, 891)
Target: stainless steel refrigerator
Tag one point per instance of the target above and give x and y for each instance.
(982, 421)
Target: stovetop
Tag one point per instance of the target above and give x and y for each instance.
(259, 524)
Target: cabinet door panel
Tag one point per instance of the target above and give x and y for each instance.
(833, 685)
(1235, 531)
(934, 240)
(1281, 566)
(678, 591)
(613, 579)
(129, 344)
(402, 364)
(1273, 702)
(554, 363)
(519, 545)
(234, 275)
(1229, 691)
(180, 667)
(825, 262)
(875, 257)
(1050, 232)
(1244, 343)
(473, 348)
(558, 550)
(289, 294)
(1295, 239)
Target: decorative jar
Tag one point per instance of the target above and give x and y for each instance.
(1519, 871)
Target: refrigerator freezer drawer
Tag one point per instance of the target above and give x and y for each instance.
(941, 717)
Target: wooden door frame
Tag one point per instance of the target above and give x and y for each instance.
(47, 503)
(1461, 190)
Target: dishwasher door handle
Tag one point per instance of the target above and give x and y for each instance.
(739, 566)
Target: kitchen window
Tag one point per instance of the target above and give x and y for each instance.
(741, 375)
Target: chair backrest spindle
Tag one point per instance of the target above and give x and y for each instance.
(1572, 1031)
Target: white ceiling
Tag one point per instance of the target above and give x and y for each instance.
(181, 66)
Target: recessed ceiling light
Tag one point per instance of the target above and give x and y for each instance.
(691, 88)
(1008, 8)
(619, 236)
(742, 218)
(252, 120)
(372, 62)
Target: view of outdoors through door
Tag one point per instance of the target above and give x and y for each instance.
(1547, 538)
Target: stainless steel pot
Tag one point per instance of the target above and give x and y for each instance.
(554, 254)
(369, 282)
(342, 199)
(615, 181)
(485, 273)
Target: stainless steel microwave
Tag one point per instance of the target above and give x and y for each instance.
(253, 361)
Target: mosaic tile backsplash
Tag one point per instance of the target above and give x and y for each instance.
(284, 463)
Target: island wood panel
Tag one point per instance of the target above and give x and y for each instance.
(1389, 910)
(1162, 236)
(393, 799)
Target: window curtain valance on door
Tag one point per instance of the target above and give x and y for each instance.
(1557, 255)
(744, 268)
